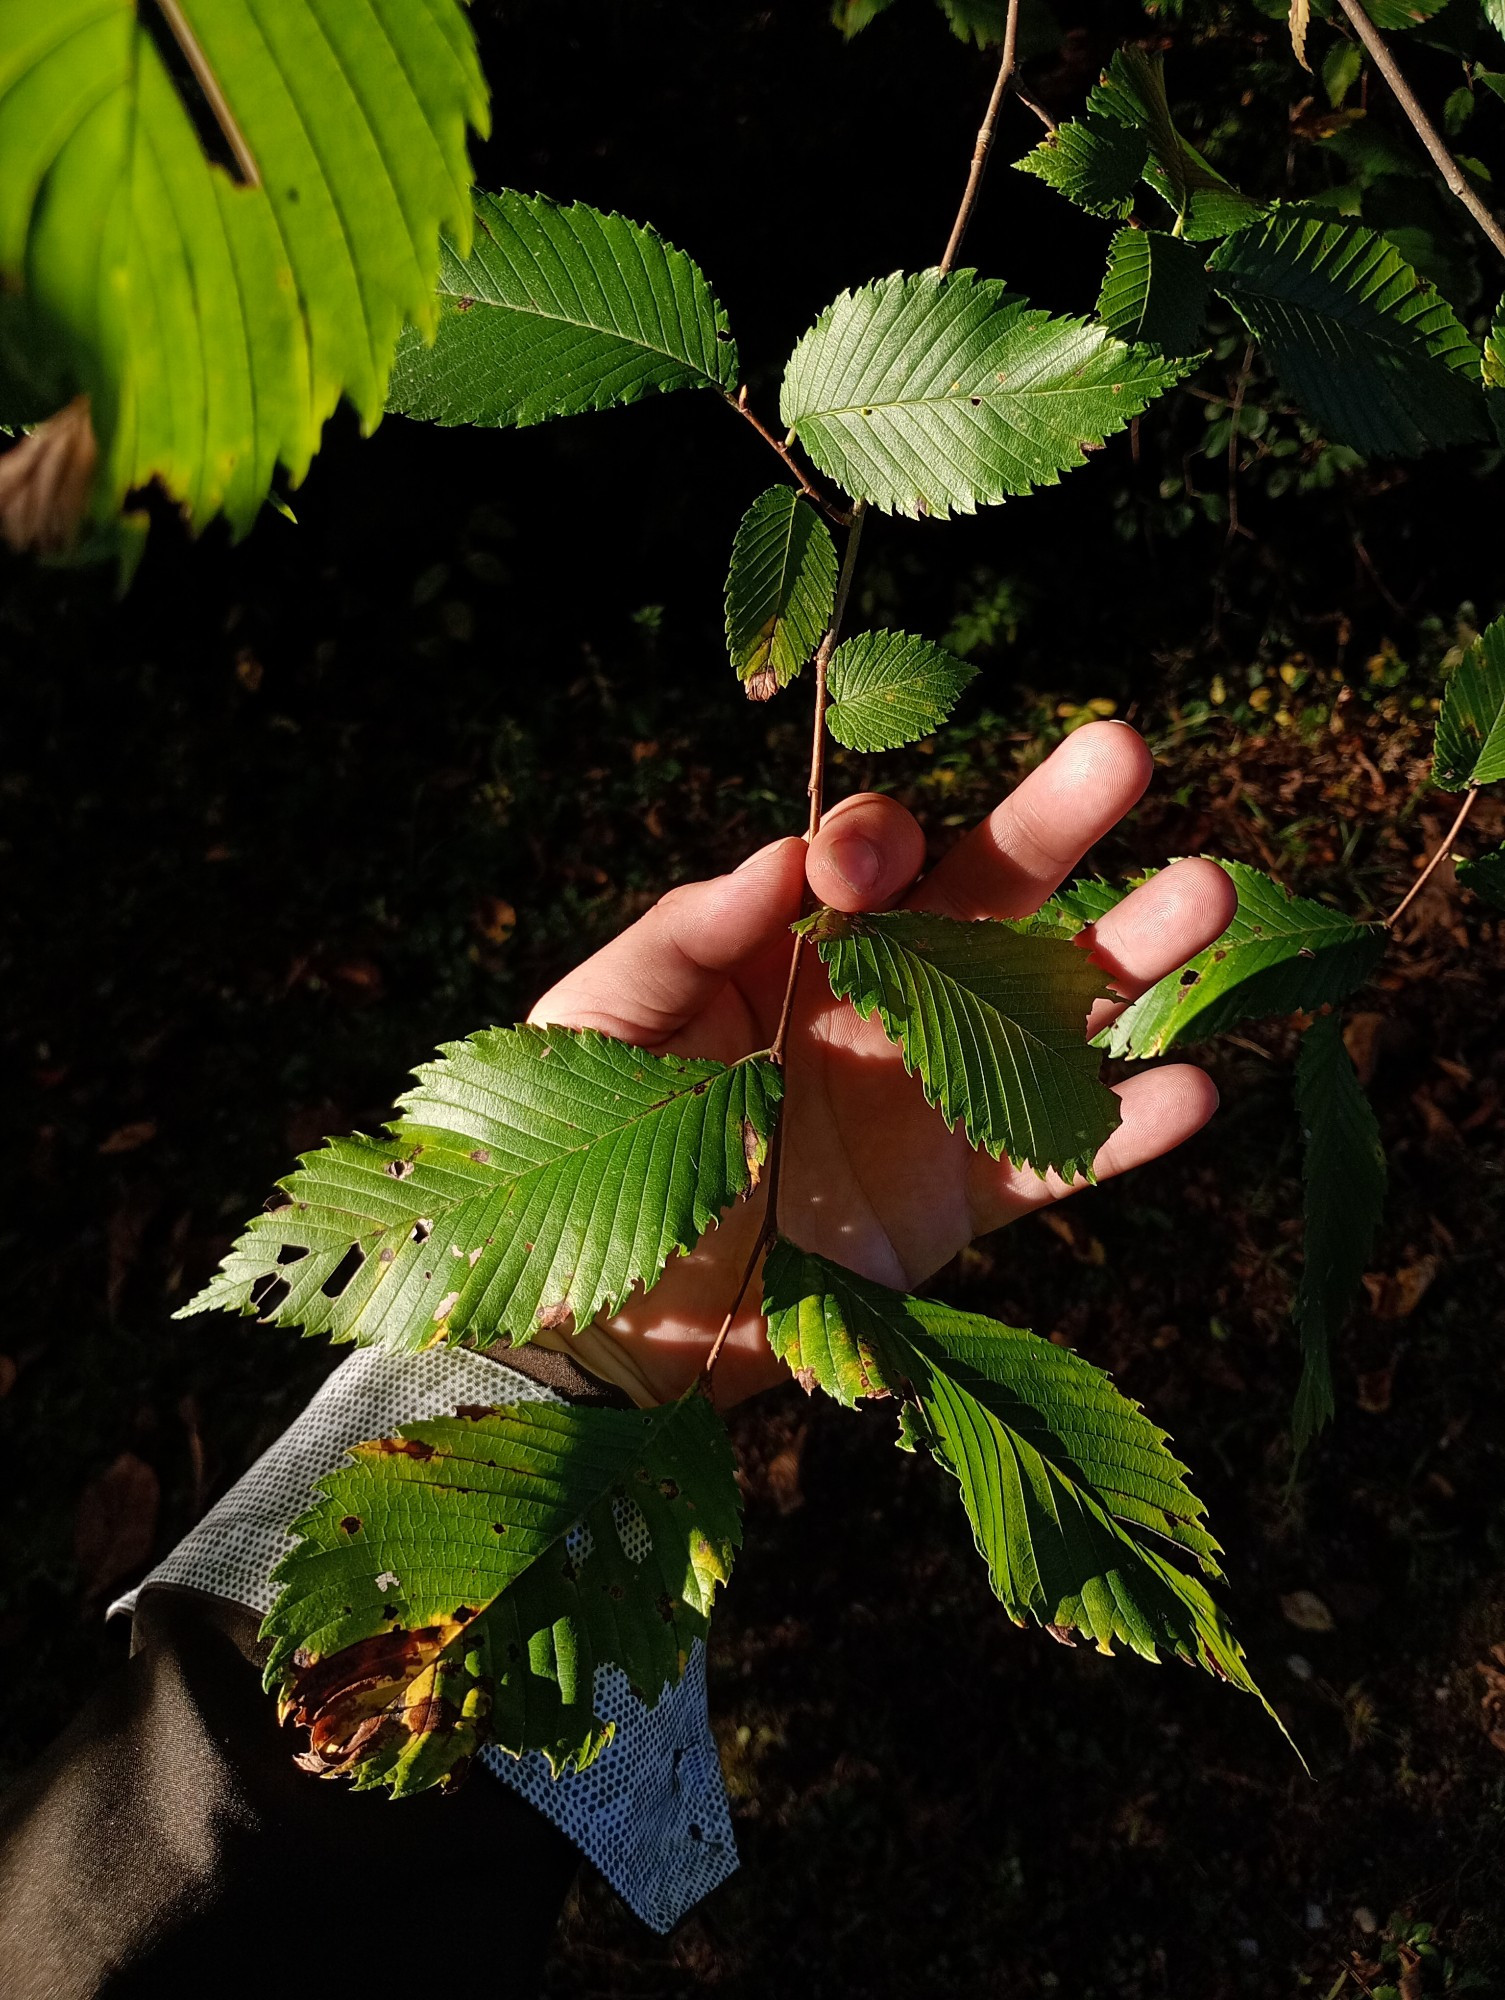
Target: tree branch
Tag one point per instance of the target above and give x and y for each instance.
(807, 485)
(1443, 851)
(985, 135)
(1426, 131)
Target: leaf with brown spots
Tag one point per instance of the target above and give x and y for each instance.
(464, 1581)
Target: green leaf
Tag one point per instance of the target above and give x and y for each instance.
(1132, 90)
(852, 16)
(779, 590)
(888, 688)
(1214, 212)
(557, 310)
(1082, 902)
(1343, 1192)
(1485, 876)
(216, 320)
(1066, 1483)
(465, 1581)
(1372, 353)
(993, 1021)
(536, 1174)
(932, 394)
(1494, 13)
(1094, 162)
(981, 22)
(1280, 955)
(1155, 290)
(1471, 728)
(1396, 16)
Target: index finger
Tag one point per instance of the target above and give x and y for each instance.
(1026, 847)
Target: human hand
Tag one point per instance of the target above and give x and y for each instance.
(870, 1175)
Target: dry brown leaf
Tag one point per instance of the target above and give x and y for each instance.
(1305, 1610)
(1397, 1295)
(1374, 1390)
(46, 479)
(8, 1374)
(1362, 1038)
(127, 1138)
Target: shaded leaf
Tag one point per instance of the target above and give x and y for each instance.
(1372, 352)
(214, 315)
(888, 688)
(1396, 16)
(779, 589)
(1485, 876)
(1155, 290)
(852, 16)
(1471, 728)
(556, 310)
(981, 22)
(991, 1018)
(932, 394)
(1280, 954)
(1064, 1481)
(1343, 1192)
(536, 1174)
(465, 1581)
(1095, 161)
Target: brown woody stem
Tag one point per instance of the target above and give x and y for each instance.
(1443, 851)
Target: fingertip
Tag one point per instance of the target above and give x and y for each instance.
(867, 853)
(1110, 753)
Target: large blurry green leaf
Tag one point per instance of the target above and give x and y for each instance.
(1068, 1486)
(213, 319)
(1471, 728)
(558, 310)
(1376, 358)
(889, 688)
(852, 16)
(1343, 1191)
(1155, 290)
(932, 394)
(992, 1018)
(779, 589)
(463, 1582)
(1280, 954)
(536, 1174)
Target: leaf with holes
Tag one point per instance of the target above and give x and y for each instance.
(779, 590)
(1155, 290)
(991, 1017)
(1280, 955)
(1376, 358)
(889, 688)
(557, 310)
(1343, 1192)
(1485, 876)
(1471, 728)
(464, 1581)
(214, 313)
(1068, 1485)
(932, 394)
(535, 1176)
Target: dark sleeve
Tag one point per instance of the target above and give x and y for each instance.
(167, 1845)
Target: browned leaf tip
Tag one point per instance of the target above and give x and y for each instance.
(370, 1700)
(46, 479)
(761, 686)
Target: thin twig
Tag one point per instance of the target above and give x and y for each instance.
(985, 132)
(764, 1237)
(177, 23)
(1437, 859)
(1033, 104)
(1426, 131)
(1235, 411)
(807, 485)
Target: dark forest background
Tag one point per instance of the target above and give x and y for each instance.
(291, 813)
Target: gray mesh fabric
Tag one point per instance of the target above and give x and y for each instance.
(651, 1812)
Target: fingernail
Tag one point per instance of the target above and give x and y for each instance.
(856, 861)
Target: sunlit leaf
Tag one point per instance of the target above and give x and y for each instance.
(464, 1581)
(779, 589)
(889, 688)
(1471, 727)
(932, 394)
(1280, 954)
(557, 310)
(1095, 162)
(535, 1175)
(991, 1017)
(214, 314)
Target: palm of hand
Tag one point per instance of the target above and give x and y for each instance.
(870, 1176)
